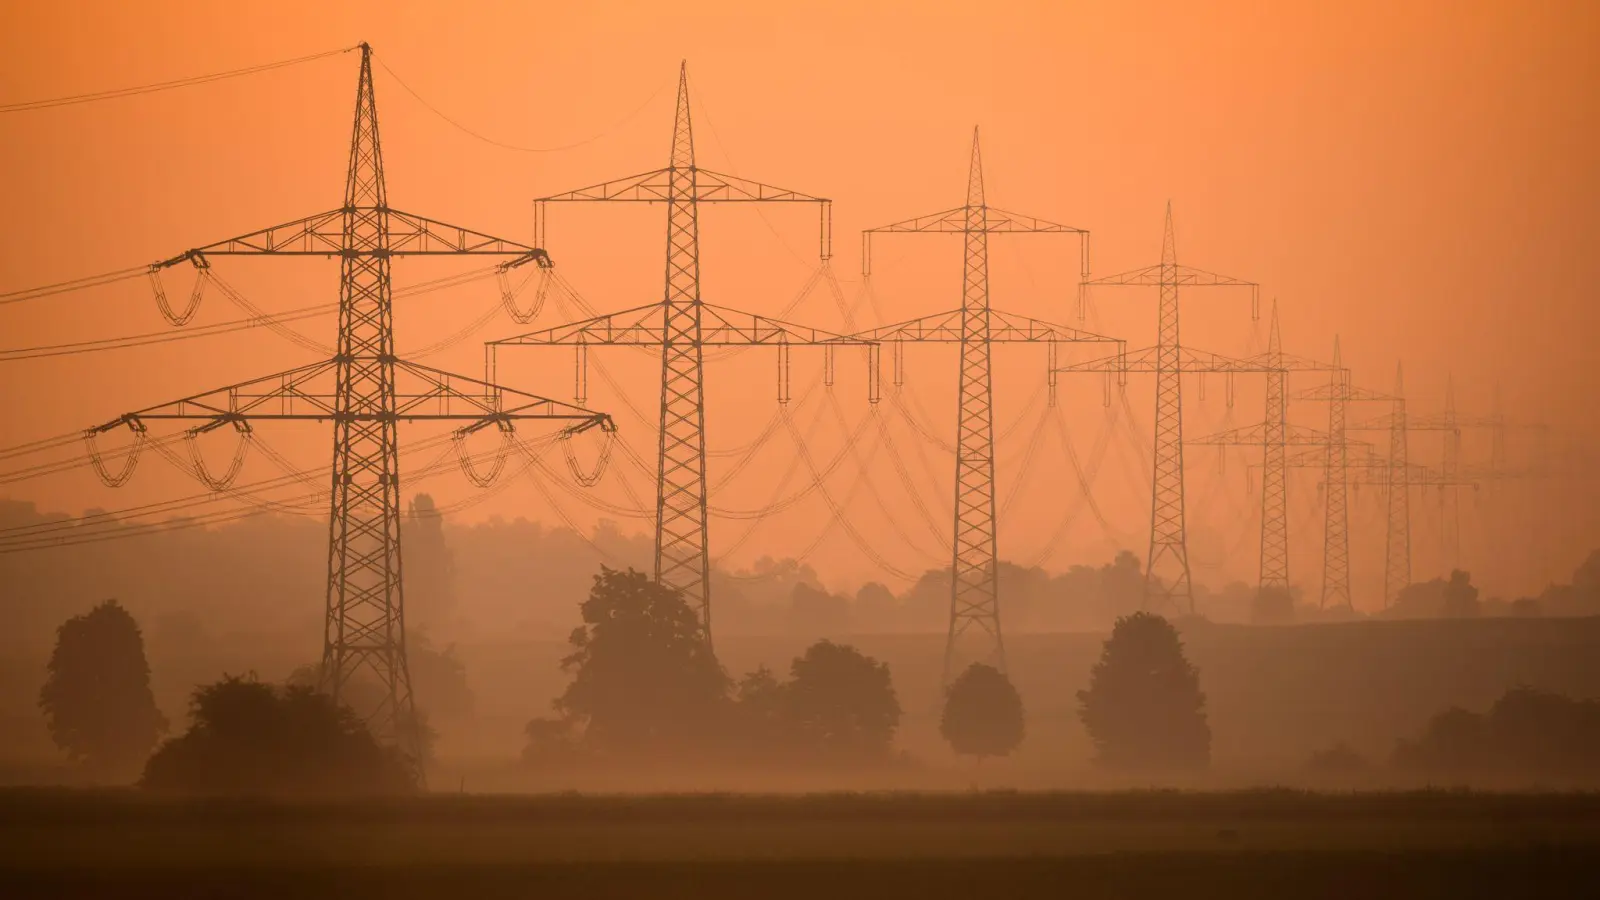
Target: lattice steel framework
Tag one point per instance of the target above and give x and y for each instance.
(1274, 435)
(1167, 579)
(365, 391)
(976, 326)
(682, 554)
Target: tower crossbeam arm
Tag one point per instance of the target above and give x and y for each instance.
(323, 235)
(704, 186)
(310, 393)
(1004, 327)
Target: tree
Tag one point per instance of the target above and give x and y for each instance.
(96, 699)
(430, 567)
(840, 702)
(1460, 597)
(644, 675)
(982, 713)
(1272, 606)
(362, 691)
(252, 738)
(1143, 707)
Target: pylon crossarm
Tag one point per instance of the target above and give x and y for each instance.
(950, 220)
(1182, 276)
(640, 327)
(310, 393)
(1328, 392)
(709, 187)
(998, 221)
(946, 327)
(323, 235)
(720, 326)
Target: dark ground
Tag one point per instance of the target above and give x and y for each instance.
(1167, 844)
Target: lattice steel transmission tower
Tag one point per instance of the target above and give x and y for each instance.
(976, 327)
(1274, 435)
(1167, 580)
(681, 324)
(366, 391)
(1335, 463)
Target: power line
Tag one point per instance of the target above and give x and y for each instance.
(116, 93)
(517, 147)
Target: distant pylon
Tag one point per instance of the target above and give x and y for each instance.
(1397, 546)
(1449, 501)
(975, 595)
(1274, 574)
(1167, 571)
(678, 324)
(1336, 487)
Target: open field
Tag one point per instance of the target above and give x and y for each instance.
(1234, 844)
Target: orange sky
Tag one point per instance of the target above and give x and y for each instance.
(1418, 178)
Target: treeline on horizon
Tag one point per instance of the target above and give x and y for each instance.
(520, 578)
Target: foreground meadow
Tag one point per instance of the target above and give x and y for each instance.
(1229, 844)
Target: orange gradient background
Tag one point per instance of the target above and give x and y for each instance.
(1417, 178)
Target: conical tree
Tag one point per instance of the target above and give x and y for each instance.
(1143, 708)
(96, 699)
(982, 713)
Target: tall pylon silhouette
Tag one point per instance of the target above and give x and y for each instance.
(1167, 585)
(365, 390)
(1336, 491)
(1274, 575)
(1397, 534)
(681, 324)
(975, 594)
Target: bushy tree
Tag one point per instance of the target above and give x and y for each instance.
(96, 698)
(841, 703)
(252, 738)
(361, 691)
(1460, 597)
(982, 713)
(643, 672)
(1527, 733)
(1272, 606)
(1143, 707)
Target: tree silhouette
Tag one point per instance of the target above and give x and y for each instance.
(644, 675)
(982, 713)
(252, 738)
(1460, 597)
(1143, 707)
(1272, 606)
(841, 703)
(96, 699)
(1528, 733)
(363, 691)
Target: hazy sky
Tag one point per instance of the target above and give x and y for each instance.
(1418, 178)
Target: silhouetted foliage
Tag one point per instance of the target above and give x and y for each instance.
(363, 692)
(1460, 597)
(251, 738)
(1143, 707)
(1272, 606)
(840, 703)
(1528, 733)
(551, 741)
(982, 713)
(643, 673)
(1338, 761)
(96, 699)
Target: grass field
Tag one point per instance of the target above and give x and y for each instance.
(1191, 845)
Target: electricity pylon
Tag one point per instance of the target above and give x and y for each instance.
(365, 391)
(974, 564)
(681, 325)
(1338, 393)
(1167, 582)
(1274, 435)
